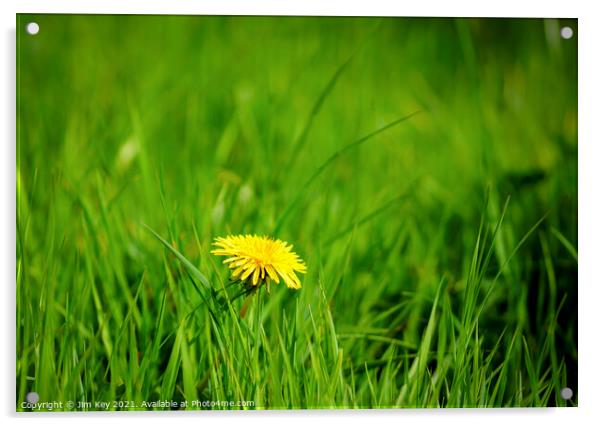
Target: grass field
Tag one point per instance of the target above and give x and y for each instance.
(424, 169)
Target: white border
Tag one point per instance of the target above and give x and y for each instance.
(553, 8)
(590, 214)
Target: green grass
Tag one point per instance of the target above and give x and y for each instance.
(440, 246)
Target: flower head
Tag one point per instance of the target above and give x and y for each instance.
(256, 260)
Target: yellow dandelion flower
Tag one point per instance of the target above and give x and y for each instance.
(256, 260)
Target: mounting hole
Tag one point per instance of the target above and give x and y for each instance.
(32, 397)
(566, 393)
(566, 33)
(32, 28)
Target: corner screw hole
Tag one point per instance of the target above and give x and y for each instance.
(32, 28)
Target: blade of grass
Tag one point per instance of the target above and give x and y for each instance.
(374, 213)
(328, 162)
(193, 270)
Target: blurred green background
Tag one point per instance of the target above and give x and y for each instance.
(205, 126)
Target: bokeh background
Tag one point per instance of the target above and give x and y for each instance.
(202, 126)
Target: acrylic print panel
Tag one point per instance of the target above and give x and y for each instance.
(295, 213)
